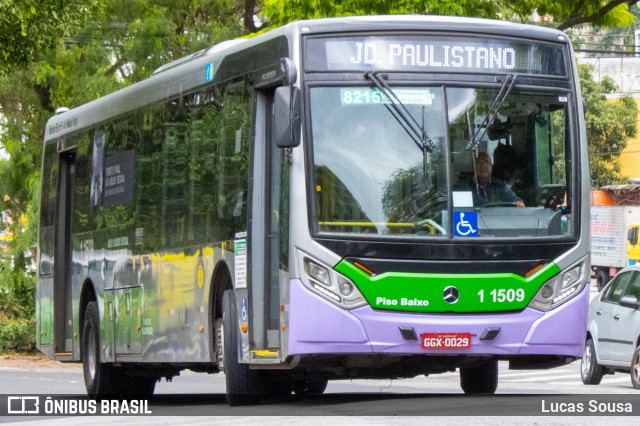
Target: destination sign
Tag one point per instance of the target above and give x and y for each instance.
(434, 54)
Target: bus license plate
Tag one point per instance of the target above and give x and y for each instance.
(446, 340)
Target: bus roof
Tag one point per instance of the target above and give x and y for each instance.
(186, 74)
(427, 23)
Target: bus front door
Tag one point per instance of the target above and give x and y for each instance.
(269, 242)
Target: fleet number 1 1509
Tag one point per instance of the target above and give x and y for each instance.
(501, 295)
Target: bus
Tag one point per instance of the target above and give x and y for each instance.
(288, 210)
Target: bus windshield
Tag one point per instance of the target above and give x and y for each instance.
(497, 163)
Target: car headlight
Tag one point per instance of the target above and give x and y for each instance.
(560, 288)
(331, 285)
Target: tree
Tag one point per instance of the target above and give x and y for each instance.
(597, 13)
(29, 27)
(610, 124)
(19, 185)
(279, 12)
(562, 14)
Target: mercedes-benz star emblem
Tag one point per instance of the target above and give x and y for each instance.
(451, 295)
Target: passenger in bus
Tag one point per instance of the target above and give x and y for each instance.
(486, 188)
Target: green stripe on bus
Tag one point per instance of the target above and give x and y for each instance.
(424, 292)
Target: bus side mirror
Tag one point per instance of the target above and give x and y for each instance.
(632, 236)
(286, 110)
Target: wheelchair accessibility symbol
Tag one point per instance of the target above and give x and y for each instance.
(244, 309)
(465, 224)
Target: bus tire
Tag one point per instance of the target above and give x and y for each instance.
(482, 378)
(635, 369)
(244, 386)
(602, 278)
(590, 372)
(100, 379)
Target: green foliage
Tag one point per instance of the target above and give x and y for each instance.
(17, 291)
(144, 34)
(17, 335)
(610, 124)
(598, 13)
(561, 14)
(279, 12)
(29, 27)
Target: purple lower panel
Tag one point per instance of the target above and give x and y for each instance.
(562, 331)
(317, 326)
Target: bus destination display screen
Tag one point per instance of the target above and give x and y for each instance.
(434, 54)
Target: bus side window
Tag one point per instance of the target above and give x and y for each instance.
(174, 183)
(233, 159)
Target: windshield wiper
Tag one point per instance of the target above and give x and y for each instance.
(492, 112)
(397, 109)
(417, 132)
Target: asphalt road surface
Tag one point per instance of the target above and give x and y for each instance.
(369, 401)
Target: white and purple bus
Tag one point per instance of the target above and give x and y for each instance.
(363, 197)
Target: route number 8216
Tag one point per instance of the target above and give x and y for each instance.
(501, 295)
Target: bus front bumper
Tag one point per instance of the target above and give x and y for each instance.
(318, 327)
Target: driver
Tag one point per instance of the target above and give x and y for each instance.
(488, 189)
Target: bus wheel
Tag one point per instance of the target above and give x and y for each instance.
(310, 386)
(602, 278)
(590, 372)
(635, 369)
(481, 378)
(244, 386)
(100, 379)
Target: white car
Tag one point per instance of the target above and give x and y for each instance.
(613, 333)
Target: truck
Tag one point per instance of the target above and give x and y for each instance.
(614, 240)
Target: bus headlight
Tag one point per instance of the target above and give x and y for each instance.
(560, 288)
(316, 271)
(331, 285)
(346, 288)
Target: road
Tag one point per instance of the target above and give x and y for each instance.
(562, 380)
(519, 392)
